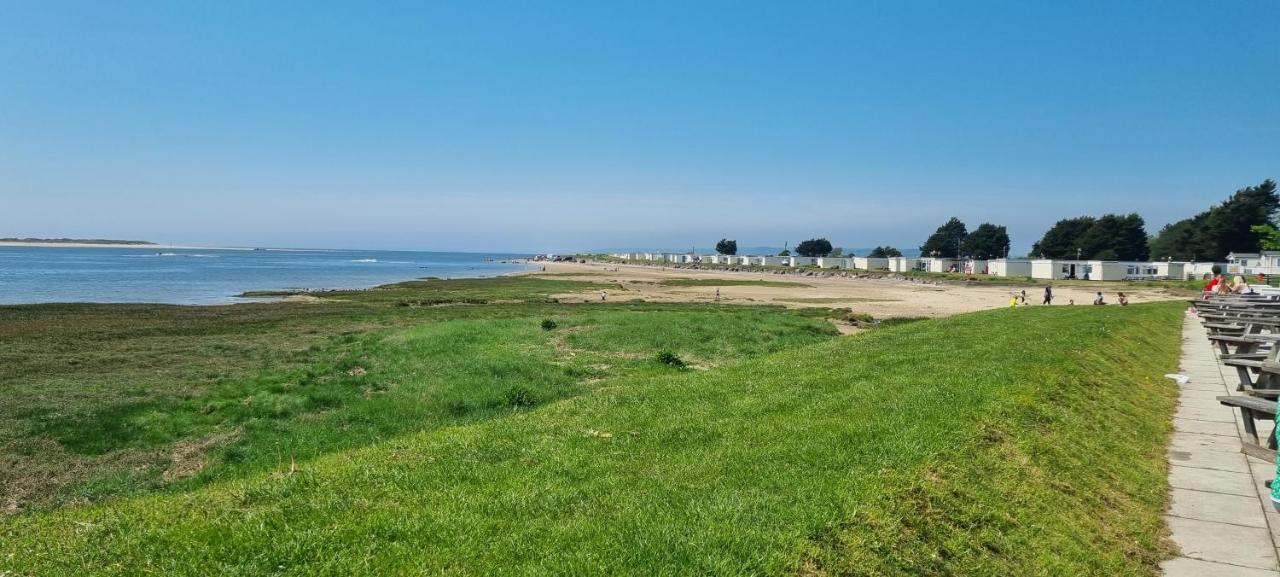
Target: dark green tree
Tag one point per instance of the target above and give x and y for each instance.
(1225, 228)
(884, 252)
(1060, 240)
(988, 241)
(1114, 237)
(726, 246)
(1109, 237)
(814, 247)
(946, 241)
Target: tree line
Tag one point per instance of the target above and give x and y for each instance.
(1244, 222)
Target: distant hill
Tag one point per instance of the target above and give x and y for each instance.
(78, 241)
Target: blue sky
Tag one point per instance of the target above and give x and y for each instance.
(557, 126)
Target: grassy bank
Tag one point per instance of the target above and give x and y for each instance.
(108, 400)
(1011, 442)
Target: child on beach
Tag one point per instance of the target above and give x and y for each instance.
(1097, 300)
(1124, 300)
(1048, 295)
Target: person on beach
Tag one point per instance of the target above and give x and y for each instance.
(603, 296)
(1048, 295)
(1097, 300)
(1022, 298)
(1013, 302)
(717, 294)
(1124, 300)
(1212, 287)
(1238, 286)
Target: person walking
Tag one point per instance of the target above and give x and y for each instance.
(1048, 295)
(1022, 297)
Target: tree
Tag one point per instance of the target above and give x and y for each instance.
(814, 247)
(1268, 236)
(1115, 237)
(1060, 240)
(884, 252)
(726, 246)
(1223, 229)
(988, 241)
(946, 241)
(837, 251)
(1109, 237)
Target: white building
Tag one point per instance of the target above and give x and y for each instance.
(938, 264)
(1005, 267)
(832, 262)
(975, 266)
(801, 261)
(773, 260)
(1053, 269)
(903, 264)
(870, 263)
(1204, 269)
(1253, 263)
(1170, 269)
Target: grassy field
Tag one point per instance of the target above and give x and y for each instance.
(1011, 442)
(107, 400)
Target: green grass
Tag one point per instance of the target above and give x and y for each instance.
(729, 282)
(1010, 442)
(108, 400)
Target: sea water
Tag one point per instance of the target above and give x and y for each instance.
(216, 276)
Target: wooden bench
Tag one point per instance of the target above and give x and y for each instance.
(1255, 409)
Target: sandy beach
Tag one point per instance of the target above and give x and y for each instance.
(879, 297)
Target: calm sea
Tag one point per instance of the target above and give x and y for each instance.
(215, 276)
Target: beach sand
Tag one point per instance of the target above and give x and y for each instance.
(880, 298)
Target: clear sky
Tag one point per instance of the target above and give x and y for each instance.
(541, 126)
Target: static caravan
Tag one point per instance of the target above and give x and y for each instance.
(1249, 264)
(832, 262)
(1169, 269)
(742, 260)
(1006, 267)
(711, 259)
(1106, 270)
(1203, 269)
(870, 263)
(1122, 270)
(774, 260)
(904, 264)
(934, 264)
(1051, 269)
(802, 261)
(975, 266)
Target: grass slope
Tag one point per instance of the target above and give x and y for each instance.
(1011, 442)
(104, 400)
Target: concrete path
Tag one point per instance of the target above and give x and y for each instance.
(1221, 514)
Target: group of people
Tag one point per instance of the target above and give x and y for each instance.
(1020, 298)
(1218, 284)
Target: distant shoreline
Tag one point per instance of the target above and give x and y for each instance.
(4, 243)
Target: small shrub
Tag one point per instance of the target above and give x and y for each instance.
(670, 358)
(548, 325)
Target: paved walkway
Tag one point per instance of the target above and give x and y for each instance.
(1221, 514)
